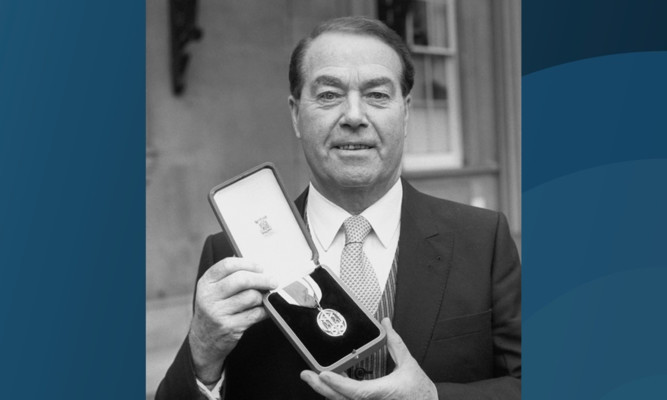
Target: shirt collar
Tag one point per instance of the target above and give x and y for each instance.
(326, 218)
(385, 214)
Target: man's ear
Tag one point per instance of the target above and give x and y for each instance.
(407, 102)
(294, 111)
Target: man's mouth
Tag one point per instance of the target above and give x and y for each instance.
(353, 147)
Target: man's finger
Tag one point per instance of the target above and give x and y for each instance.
(228, 266)
(397, 349)
(240, 302)
(312, 379)
(244, 280)
(247, 318)
(351, 388)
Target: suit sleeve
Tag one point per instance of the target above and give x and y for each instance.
(180, 382)
(506, 294)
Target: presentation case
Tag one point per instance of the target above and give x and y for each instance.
(313, 308)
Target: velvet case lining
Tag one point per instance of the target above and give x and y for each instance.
(325, 349)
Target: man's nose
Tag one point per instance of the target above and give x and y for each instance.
(354, 113)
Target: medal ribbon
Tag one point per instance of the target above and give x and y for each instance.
(300, 294)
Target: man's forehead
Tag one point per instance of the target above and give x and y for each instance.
(338, 50)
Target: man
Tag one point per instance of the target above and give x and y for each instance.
(450, 272)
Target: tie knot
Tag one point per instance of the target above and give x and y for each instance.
(356, 229)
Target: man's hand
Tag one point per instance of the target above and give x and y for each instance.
(228, 302)
(408, 381)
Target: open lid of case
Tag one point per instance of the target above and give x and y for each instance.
(263, 225)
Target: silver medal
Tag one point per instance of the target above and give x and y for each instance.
(331, 322)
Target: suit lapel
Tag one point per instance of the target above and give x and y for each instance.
(300, 202)
(423, 267)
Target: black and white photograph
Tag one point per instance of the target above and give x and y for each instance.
(333, 199)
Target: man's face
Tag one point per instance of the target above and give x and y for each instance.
(351, 118)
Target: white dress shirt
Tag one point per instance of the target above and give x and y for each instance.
(325, 221)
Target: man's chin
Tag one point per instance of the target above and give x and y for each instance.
(352, 181)
(360, 182)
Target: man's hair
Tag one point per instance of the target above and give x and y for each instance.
(358, 26)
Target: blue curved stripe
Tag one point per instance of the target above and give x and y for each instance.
(593, 112)
(557, 32)
(591, 224)
(600, 340)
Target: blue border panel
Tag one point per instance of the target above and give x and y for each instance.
(72, 234)
(594, 195)
(556, 32)
(594, 170)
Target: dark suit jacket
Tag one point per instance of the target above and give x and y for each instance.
(457, 308)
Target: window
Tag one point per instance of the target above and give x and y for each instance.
(434, 129)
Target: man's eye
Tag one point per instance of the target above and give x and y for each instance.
(328, 96)
(378, 96)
